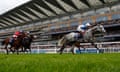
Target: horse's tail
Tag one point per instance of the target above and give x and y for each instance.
(61, 41)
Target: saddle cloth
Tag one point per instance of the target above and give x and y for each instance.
(74, 36)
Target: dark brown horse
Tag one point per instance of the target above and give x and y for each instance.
(15, 45)
(26, 42)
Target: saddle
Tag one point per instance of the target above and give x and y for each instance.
(12, 39)
(77, 36)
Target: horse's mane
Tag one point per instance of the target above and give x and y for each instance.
(93, 27)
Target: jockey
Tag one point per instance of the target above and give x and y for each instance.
(15, 35)
(18, 33)
(82, 28)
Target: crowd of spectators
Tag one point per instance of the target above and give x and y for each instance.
(73, 28)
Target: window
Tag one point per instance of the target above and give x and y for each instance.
(55, 20)
(53, 27)
(116, 16)
(38, 23)
(74, 23)
(64, 18)
(102, 18)
(76, 15)
(87, 21)
(89, 13)
(45, 22)
(103, 10)
(63, 25)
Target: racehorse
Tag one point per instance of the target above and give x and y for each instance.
(15, 45)
(89, 36)
(26, 42)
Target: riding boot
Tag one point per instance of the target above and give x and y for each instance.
(11, 41)
(81, 34)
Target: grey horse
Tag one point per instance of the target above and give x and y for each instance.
(89, 36)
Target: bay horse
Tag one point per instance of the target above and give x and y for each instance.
(89, 36)
(15, 45)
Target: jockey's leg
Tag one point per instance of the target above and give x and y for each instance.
(11, 40)
(80, 35)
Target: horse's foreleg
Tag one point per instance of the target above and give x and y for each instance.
(6, 49)
(78, 46)
(72, 49)
(61, 49)
(22, 49)
(12, 50)
(84, 49)
(79, 49)
(16, 48)
(17, 51)
(95, 45)
(30, 50)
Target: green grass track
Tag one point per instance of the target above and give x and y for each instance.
(60, 63)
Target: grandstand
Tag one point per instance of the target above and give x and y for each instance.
(51, 19)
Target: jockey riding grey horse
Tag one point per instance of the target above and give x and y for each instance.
(89, 36)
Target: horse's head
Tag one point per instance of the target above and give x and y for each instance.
(28, 39)
(99, 30)
(32, 37)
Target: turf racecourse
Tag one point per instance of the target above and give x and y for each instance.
(60, 63)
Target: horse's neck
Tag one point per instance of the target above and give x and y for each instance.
(93, 28)
(30, 37)
(88, 33)
(20, 38)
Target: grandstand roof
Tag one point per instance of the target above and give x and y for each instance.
(40, 10)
